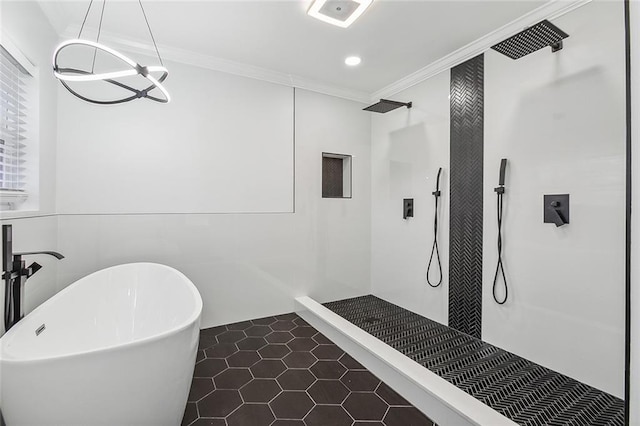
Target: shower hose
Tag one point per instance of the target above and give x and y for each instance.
(499, 268)
(434, 249)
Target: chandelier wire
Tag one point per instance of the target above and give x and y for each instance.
(85, 18)
(95, 51)
(150, 32)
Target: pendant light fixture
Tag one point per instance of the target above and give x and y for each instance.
(154, 76)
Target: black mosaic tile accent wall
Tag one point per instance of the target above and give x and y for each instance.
(525, 392)
(465, 215)
(332, 177)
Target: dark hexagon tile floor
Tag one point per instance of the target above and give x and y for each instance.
(280, 371)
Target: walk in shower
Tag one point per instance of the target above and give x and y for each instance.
(540, 339)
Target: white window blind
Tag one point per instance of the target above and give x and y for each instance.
(14, 113)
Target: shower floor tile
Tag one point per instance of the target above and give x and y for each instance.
(279, 371)
(525, 392)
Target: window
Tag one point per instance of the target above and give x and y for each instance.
(17, 111)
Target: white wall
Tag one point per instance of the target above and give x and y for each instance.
(29, 30)
(408, 147)
(559, 119)
(245, 265)
(223, 144)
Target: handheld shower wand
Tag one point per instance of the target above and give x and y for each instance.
(434, 248)
(499, 267)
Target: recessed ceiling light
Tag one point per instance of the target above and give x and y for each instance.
(338, 12)
(352, 61)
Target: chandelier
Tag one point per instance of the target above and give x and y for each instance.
(150, 86)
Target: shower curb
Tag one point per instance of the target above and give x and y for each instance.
(440, 400)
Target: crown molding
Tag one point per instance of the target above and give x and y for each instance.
(550, 10)
(222, 65)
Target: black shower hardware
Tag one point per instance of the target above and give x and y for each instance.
(499, 190)
(385, 105)
(407, 208)
(434, 248)
(556, 209)
(531, 39)
(15, 274)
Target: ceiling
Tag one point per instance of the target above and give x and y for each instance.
(394, 38)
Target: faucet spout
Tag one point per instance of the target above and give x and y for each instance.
(50, 253)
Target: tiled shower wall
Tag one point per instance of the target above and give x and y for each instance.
(560, 120)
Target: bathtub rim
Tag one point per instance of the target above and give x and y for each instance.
(193, 318)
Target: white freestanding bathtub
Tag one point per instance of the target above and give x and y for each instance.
(116, 348)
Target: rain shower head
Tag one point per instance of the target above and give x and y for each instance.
(534, 38)
(385, 105)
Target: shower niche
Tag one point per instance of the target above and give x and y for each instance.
(336, 175)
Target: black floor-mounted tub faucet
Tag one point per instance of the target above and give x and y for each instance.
(15, 275)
